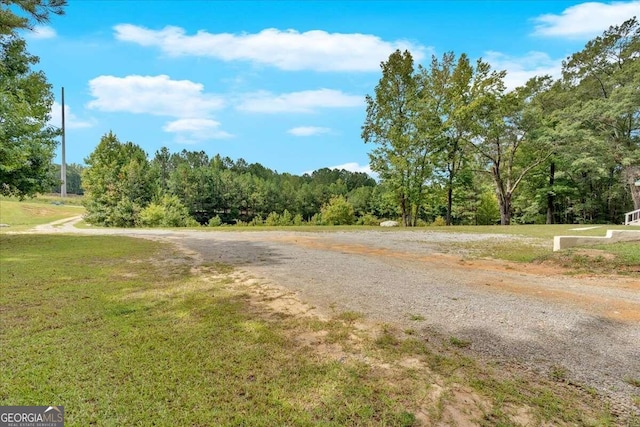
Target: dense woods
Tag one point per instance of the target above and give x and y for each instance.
(562, 151)
(450, 144)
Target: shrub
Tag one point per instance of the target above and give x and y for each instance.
(316, 219)
(368, 219)
(151, 216)
(286, 218)
(272, 219)
(124, 214)
(170, 212)
(439, 222)
(256, 221)
(488, 209)
(297, 220)
(338, 212)
(216, 221)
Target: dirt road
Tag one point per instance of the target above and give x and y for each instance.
(535, 317)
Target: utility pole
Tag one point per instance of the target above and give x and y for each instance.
(63, 165)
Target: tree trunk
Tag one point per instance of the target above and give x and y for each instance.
(632, 174)
(551, 195)
(403, 207)
(449, 203)
(505, 208)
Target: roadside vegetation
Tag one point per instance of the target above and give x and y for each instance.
(128, 332)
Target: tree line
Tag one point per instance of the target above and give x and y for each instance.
(451, 145)
(568, 149)
(123, 187)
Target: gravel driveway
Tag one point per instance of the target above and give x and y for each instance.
(531, 316)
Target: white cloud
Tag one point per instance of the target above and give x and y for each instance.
(42, 32)
(70, 119)
(195, 130)
(298, 102)
(161, 96)
(586, 20)
(308, 131)
(522, 68)
(288, 50)
(157, 95)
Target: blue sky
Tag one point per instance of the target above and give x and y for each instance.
(279, 83)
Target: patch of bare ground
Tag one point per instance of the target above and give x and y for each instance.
(438, 398)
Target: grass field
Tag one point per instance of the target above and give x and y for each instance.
(125, 332)
(23, 215)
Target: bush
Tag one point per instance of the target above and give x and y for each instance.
(286, 218)
(256, 221)
(338, 212)
(488, 209)
(215, 221)
(316, 219)
(124, 214)
(272, 219)
(368, 219)
(151, 216)
(170, 212)
(439, 222)
(297, 220)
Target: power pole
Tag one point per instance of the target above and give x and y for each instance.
(63, 165)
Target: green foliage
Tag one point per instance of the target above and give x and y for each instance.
(368, 219)
(285, 218)
(170, 212)
(338, 212)
(117, 183)
(488, 212)
(256, 221)
(215, 221)
(401, 156)
(21, 14)
(272, 219)
(439, 222)
(316, 219)
(27, 141)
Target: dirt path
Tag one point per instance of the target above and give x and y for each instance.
(531, 316)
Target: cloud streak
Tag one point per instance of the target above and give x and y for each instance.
(288, 50)
(306, 101)
(190, 131)
(308, 131)
(585, 20)
(521, 68)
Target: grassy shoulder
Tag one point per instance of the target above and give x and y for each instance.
(23, 215)
(127, 332)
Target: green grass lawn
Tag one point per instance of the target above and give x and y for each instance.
(23, 215)
(123, 332)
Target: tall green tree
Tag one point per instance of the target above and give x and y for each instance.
(27, 141)
(604, 79)
(394, 124)
(509, 139)
(452, 92)
(117, 183)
